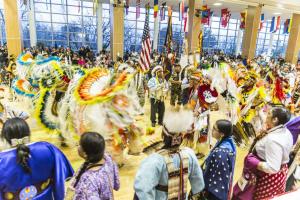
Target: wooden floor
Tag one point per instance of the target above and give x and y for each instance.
(127, 172)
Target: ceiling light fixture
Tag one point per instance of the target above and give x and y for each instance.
(217, 4)
(277, 13)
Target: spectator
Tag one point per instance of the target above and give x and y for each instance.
(99, 175)
(36, 171)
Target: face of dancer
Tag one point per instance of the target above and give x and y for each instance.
(271, 121)
(160, 74)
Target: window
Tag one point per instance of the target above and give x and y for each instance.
(279, 41)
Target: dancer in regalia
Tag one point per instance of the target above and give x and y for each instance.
(34, 171)
(165, 174)
(219, 165)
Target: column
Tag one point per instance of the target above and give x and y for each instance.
(270, 47)
(12, 27)
(251, 31)
(99, 28)
(194, 26)
(117, 31)
(293, 47)
(239, 42)
(156, 31)
(32, 27)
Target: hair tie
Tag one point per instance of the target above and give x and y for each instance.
(15, 142)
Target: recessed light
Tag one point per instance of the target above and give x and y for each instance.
(217, 4)
(277, 13)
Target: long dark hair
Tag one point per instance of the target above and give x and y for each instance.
(224, 126)
(17, 128)
(93, 145)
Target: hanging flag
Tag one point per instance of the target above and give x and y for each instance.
(186, 21)
(290, 25)
(225, 16)
(138, 9)
(181, 10)
(127, 6)
(155, 8)
(275, 24)
(206, 14)
(286, 26)
(278, 23)
(243, 20)
(144, 60)
(272, 28)
(162, 11)
(262, 21)
(168, 40)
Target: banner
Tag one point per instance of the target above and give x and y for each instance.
(262, 20)
(243, 20)
(275, 24)
(206, 15)
(225, 16)
(286, 26)
(155, 8)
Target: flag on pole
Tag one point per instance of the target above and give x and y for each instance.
(138, 8)
(144, 60)
(225, 16)
(168, 40)
(155, 8)
(262, 20)
(181, 10)
(243, 20)
(162, 11)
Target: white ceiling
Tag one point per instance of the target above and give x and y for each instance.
(271, 7)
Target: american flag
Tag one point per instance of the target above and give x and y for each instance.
(146, 46)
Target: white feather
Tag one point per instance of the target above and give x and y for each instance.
(177, 122)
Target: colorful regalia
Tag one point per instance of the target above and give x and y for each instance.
(49, 170)
(169, 170)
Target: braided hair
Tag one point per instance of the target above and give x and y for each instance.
(17, 128)
(93, 145)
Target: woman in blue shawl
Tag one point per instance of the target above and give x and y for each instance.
(35, 171)
(219, 165)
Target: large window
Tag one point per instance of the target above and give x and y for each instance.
(2, 24)
(279, 41)
(66, 23)
(216, 37)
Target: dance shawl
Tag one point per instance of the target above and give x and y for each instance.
(49, 170)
